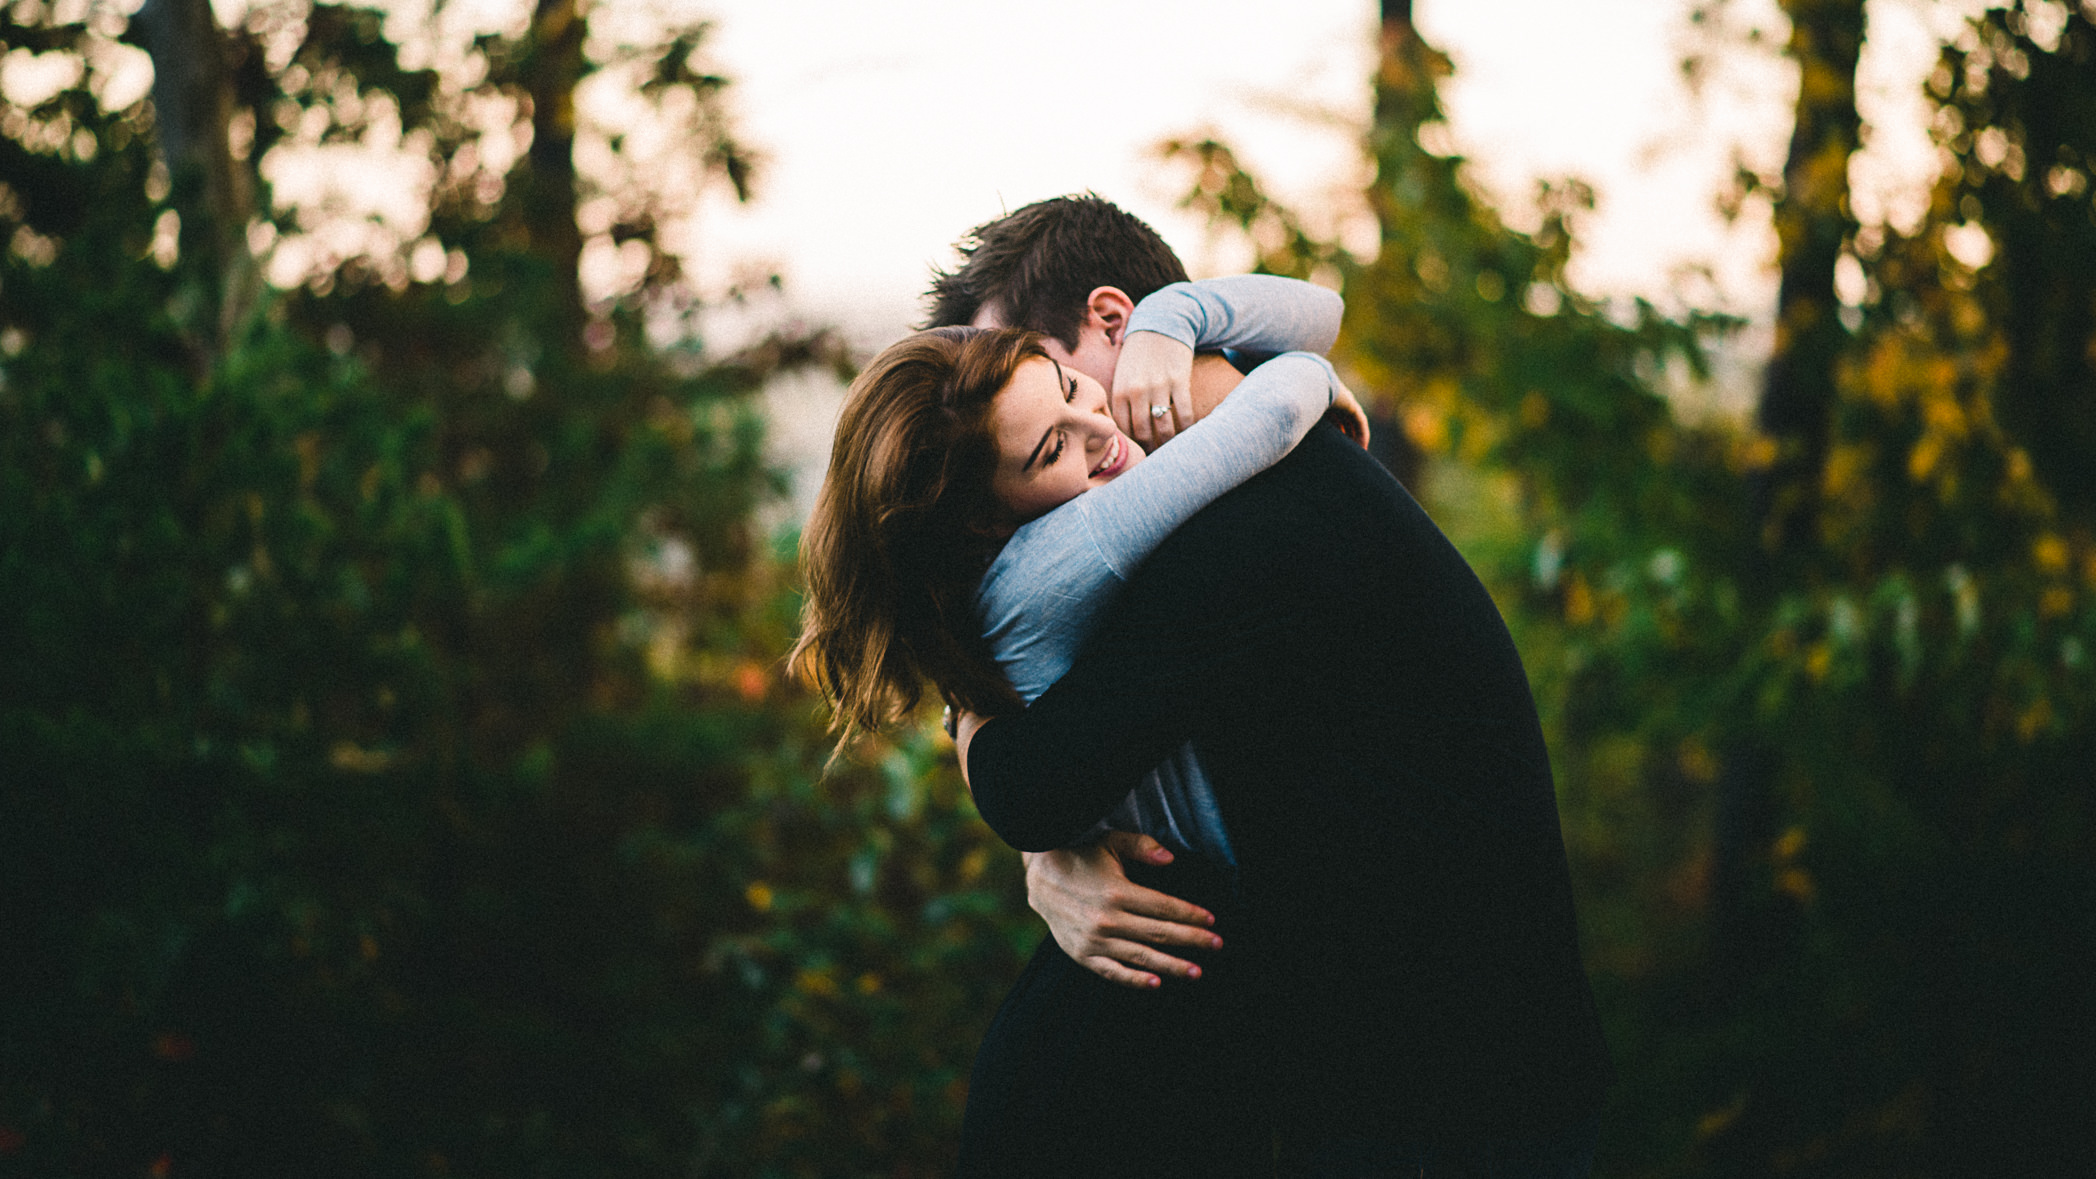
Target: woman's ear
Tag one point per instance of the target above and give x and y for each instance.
(1107, 309)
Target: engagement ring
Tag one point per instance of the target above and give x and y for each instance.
(1157, 411)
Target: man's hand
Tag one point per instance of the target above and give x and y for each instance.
(1347, 414)
(1153, 370)
(1109, 924)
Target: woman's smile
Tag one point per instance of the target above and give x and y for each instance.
(1055, 437)
(1110, 464)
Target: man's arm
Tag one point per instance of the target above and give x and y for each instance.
(1202, 628)
(1105, 922)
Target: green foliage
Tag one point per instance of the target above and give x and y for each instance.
(399, 776)
(1879, 987)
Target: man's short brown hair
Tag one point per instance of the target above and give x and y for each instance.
(1039, 265)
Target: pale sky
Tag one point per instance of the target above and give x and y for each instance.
(891, 129)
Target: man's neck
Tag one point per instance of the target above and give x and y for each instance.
(1213, 379)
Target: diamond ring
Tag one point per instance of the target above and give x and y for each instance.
(1157, 411)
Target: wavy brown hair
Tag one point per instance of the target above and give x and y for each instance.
(903, 529)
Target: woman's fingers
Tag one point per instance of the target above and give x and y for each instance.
(1347, 414)
(1121, 404)
(1145, 423)
(1152, 387)
(1182, 414)
(1176, 399)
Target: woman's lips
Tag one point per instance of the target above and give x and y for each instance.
(1116, 450)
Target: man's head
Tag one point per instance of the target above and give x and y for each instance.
(1071, 268)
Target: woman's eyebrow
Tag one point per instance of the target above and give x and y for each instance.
(1046, 434)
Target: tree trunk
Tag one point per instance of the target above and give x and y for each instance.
(1814, 223)
(211, 191)
(550, 75)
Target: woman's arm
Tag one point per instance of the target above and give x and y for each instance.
(1257, 313)
(1260, 422)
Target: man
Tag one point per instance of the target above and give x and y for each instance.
(1404, 939)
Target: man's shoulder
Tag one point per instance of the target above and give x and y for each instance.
(1325, 473)
(1325, 481)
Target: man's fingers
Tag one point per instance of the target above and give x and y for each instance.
(1146, 959)
(1149, 932)
(1129, 846)
(1159, 906)
(1114, 972)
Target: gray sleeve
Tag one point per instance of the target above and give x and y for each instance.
(1261, 421)
(1259, 313)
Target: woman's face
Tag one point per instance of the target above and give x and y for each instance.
(1055, 439)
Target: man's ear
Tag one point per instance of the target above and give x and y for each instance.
(1107, 309)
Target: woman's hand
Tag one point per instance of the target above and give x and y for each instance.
(1347, 414)
(1153, 370)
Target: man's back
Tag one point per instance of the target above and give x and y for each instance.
(1406, 924)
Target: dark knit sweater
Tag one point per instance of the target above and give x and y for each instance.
(1405, 929)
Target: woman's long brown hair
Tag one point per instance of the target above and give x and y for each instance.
(903, 529)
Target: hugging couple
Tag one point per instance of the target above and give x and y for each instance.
(1261, 731)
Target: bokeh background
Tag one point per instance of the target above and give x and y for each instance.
(406, 413)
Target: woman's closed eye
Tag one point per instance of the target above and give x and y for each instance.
(1062, 436)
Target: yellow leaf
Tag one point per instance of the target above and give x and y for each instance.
(1427, 429)
(2050, 553)
(2035, 719)
(759, 895)
(1579, 601)
(1790, 843)
(1818, 660)
(1698, 764)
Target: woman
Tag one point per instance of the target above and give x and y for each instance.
(981, 505)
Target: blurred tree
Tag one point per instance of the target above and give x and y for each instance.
(1815, 229)
(399, 778)
(2017, 107)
